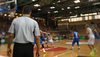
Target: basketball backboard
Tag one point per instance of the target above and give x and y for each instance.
(8, 6)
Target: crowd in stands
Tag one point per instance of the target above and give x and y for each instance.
(4, 30)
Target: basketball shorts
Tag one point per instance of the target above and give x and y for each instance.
(75, 41)
(51, 41)
(91, 41)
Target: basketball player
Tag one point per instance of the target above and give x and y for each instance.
(96, 38)
(50, 39)
(76, 39)
(40, 42)
(96, 34)
(91, 40)
(43, 39)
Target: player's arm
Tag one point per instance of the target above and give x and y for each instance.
(37, 39)
(42, 35)
(9, 43)
(11, 34)
(88, 32)
(72, 34)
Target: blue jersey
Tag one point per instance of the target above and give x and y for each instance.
(41, 37)
(76, 36)
(40, 40)
(96, 35)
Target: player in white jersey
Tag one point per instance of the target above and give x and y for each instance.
(91, 37)
(50, 39)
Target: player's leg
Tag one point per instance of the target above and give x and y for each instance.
(93, 48)
(43, 48)
(89, 46)
(78, 44)
(52, 43)
(90, 43)
(47, 42)
(73, 45)
(42, 45)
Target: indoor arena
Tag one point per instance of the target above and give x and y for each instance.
(49, 28)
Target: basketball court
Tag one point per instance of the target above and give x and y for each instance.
(61, 50)
(59, 17)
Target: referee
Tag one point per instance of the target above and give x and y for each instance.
(23, 28)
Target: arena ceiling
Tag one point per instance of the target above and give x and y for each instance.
(63, 8)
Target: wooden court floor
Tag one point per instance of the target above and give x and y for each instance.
(84, 51)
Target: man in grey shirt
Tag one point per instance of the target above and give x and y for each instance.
(23, 28)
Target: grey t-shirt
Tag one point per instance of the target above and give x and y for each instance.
(23, 27)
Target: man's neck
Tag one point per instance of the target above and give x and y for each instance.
(26, 15)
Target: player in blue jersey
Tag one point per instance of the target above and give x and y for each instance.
(40, 42)
(76, 39)
(96, 34)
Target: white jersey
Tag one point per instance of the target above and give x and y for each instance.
(91, 35)
(50, 37)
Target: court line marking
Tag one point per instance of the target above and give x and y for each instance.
(79, 43)
(63, 53)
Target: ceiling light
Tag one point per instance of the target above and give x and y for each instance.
(36, 5)
(9, 15)
(39, 9)
(77, 7)
(77, 1)
(68, 7)
(52, 7)
(20, 14)
(33, 0)
(96, 3)
(58, 1)
(92, 0)
(62, 8)
(70, 12)
(55, 11)
(15, 13)
(53, 3)
(48, 12)
(36, 18)
(82, 15)
(5, 14)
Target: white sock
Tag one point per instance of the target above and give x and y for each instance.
(94, 48)
(43, 49)
(78, 47)
(72, 47)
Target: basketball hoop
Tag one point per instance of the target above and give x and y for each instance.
(5, 7)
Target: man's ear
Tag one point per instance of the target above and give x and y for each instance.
(30, 13)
